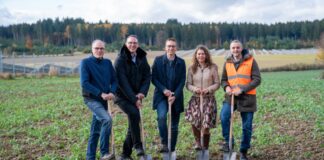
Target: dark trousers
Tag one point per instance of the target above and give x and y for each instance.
(133, 137)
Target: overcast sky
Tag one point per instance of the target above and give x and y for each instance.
(127, 11)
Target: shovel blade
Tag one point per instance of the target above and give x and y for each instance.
(205, 155)
(229, 156)
(165, 156)
(169, 156)
(202, 155)
(146, 157)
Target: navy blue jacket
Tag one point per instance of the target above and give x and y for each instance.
(159, 80)
(133, 78)
(97, 76)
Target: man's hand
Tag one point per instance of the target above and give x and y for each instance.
(111, 96)
(171, 99)
(104, 96)
(167, 93)
(140, 96)
(228, 90)
(138, 104)
(237, 92)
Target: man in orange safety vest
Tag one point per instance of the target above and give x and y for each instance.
(240, 77)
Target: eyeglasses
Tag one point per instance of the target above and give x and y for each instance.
(171, 46)
(97, 48)
(131, 42)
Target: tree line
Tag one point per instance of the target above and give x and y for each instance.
(66, 35)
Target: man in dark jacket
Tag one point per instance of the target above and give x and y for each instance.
(240, 77)
(168, 77)
(134, 76)
(98, 82)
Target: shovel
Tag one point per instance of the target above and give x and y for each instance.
(231, 155)
(112, 153)
(169, 155)
(202, 154)
(146, 156)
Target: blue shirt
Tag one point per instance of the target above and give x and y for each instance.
(97, 76)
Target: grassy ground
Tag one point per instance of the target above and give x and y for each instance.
(46, 119)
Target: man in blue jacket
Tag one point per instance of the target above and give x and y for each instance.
(98, 82)
(134, 77)
(168, 77)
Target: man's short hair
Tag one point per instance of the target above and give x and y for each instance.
(236, 41)
(132, 35)
(171, 39)
(97, 41)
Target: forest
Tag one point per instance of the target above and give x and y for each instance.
(69, 35)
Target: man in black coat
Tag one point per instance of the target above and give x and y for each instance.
(134, 76)
(168, 77)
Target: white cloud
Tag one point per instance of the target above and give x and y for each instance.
(127, 11)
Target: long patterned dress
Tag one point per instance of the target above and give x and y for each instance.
(203, 78)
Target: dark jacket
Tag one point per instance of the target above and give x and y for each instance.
(159, 80)
(244, 102)
(133, 78)
(97, 76)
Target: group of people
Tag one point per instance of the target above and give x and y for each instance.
(128, 82)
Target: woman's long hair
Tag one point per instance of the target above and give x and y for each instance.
(195, 63)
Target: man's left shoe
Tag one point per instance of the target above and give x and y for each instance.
(243, 156)
(140, 152)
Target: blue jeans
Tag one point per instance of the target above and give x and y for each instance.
(162, 110)
(247, 119)
(100, 127)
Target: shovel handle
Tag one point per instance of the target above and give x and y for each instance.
(201, 119)
(231, 125)
(109, 105)
(169, 126)
(142, 129)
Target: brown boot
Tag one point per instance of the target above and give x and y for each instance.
(196, 133)
(206, 141)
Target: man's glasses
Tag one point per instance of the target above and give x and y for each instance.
(132, 43)
(97, 48)
(171, 46)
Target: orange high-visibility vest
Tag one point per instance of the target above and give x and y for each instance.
(240, 77)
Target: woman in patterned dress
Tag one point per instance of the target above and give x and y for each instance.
(202, 81)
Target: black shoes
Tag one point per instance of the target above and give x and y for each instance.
(140, 152)
(123, 157)
(225, 147)
(243, 156)
(164, 148)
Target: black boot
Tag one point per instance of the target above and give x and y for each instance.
(244, 155)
